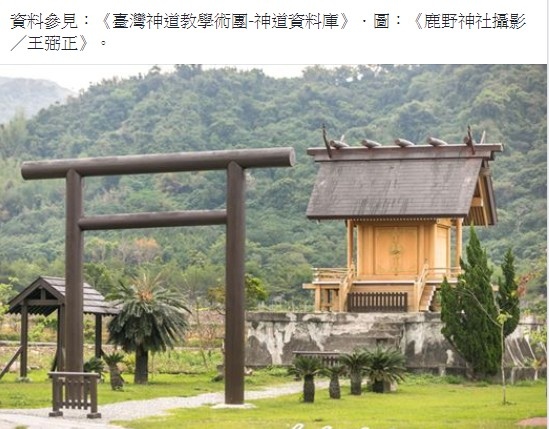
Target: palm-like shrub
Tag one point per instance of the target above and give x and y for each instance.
(354, 362)
(306, 367)
(334, 372)
(383, 367)
(152, 318)
(112, 360)
(96, 365)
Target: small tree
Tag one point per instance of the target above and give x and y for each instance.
(508, 296)
(384, 367)
(469, 313)
(306, 367)
(334, 372)
(152, 318)
(254, 288)
(355, 362)
(255, 291)
(6, 293)
(538, 339)
(112, 360)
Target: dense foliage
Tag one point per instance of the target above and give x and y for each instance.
(193, 109)
(508, 295)
(253, 288)
(469, 313)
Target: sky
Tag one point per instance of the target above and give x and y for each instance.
(79, 77)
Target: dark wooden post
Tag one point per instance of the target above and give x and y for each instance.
(24, 340)
(55, 365)
(60, 338)
(234, 287)
(93, 414)
(74, 294)
(98, 334)
(57, 396)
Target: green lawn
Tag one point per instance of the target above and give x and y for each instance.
(37, 393)
(420, 402)
(422, 406)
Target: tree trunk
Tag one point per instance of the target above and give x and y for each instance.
(502, 364)
(117, 382)
(356, 382)
(334, 389)
(309, 388)
(378, 386)
(141, 366)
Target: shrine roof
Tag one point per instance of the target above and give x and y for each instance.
(411, 182)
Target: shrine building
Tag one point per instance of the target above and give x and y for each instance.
(404, 210)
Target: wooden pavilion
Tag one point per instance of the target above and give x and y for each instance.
(404, 209)
(44, 296)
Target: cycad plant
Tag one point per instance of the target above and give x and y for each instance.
(354, 362)
(152, 318)
(383, 367)
(334, 372)
(306, 367)
(96, 365)
(112, 360)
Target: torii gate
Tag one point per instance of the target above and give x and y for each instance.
(234, 161)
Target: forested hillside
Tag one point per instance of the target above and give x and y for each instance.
(192, 109)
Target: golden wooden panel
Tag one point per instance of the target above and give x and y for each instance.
(441, 251)
(396, 250)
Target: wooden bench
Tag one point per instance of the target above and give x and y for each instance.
(74, 390)
(328, 359)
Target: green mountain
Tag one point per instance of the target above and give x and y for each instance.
(192, 109)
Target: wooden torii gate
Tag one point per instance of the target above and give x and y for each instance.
(234, 161)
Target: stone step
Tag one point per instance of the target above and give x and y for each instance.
(427, 297)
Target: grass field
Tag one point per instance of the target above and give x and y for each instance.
(420, 402)
(423, 405)
(37, 393)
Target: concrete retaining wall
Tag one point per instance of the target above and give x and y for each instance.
(273, 337)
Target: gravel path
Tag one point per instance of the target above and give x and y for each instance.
(37, 418)
(536, 421)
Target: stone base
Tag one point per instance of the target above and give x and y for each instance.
(56, 414)
(93, 415)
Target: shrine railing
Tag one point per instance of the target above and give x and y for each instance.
(377, 302)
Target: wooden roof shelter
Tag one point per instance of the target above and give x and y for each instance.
(46, 295)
